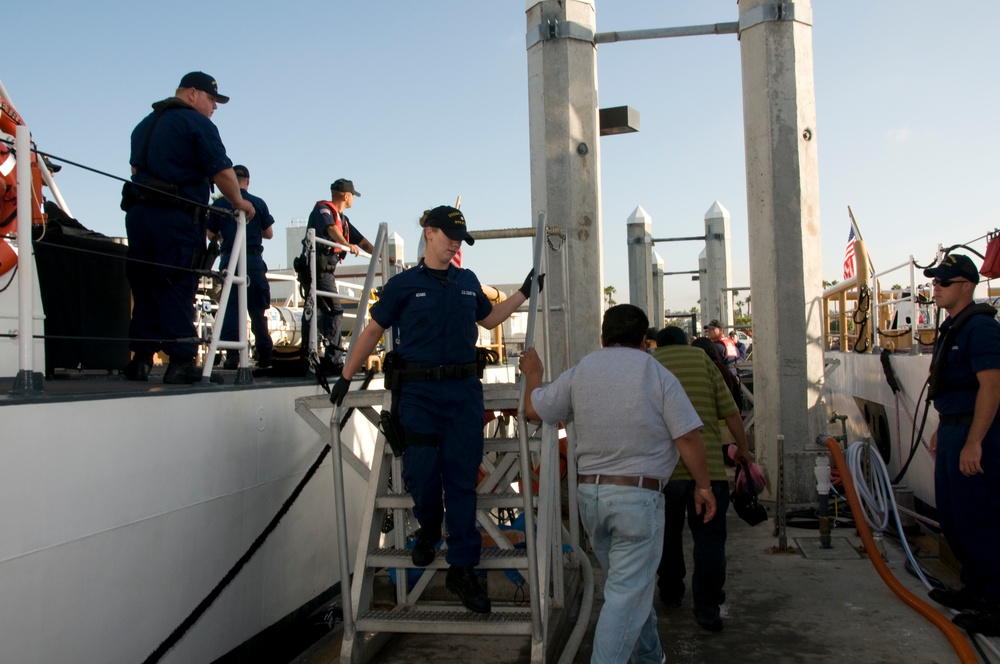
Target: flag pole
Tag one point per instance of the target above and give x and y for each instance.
(857, 233)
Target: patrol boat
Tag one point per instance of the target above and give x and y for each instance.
(125, 504)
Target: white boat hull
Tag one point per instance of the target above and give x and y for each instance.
(856, 387)
(121, 514)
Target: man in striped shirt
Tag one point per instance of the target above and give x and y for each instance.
(705, 387)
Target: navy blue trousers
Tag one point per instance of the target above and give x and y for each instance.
(442, 478)
(159, 241)
(709, 575)
(968, 508)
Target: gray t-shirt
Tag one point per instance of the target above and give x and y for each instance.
(627, 410)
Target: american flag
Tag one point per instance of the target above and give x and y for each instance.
(849, 255)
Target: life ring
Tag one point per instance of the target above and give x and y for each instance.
(9, 121)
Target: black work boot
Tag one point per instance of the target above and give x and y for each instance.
(232, 360)
(986, 623)
(138, 368)
(463, 582)
(263, 359)
(186, 372)
(423, 549)
(963, 599)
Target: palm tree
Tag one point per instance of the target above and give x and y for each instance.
(609, 291)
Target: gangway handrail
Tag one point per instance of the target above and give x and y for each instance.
(337, 457)
(525, 459)
(311, 241)
(230, 277)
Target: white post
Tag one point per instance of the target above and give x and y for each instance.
(640, 260)
(565, 168)
(779, 120)
(718, 266)
(26, 381)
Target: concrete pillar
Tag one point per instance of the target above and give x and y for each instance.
(718, 266)
(640, 261)
(659, 307)
(702, 292)
(565, 169)
(779, 118)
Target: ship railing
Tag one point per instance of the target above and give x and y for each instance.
(311, 242)
(876, 312)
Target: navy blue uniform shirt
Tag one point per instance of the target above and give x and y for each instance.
(226, 225)
(435, 323)
(975, 348)
(185, 149)
(320, 218)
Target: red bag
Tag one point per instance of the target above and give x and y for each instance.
(991, 264)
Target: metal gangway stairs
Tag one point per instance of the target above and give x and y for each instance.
(385, 595)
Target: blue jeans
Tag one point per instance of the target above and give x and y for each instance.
(625, 527)
(709, 575)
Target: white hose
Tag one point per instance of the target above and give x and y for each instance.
(586, 604)
(876, 497)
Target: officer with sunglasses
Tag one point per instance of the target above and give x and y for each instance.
(965, 388)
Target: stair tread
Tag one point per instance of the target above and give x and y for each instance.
(445, 621)
(492, 558)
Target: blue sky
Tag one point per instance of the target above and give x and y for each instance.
(421, 102)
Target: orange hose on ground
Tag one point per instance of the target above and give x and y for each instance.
(965, 652)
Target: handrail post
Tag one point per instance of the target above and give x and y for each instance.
(914, 310)
(235, 273)
(27, 380)
(311, 295)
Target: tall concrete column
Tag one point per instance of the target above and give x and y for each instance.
(718, 266)
(656, 317)
(779, 111)
(640, 261)
(565, 169)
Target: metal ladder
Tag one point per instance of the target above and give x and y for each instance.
(419, 605)
(375, 612)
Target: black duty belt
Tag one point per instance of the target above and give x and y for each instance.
(255, 251)
(965, 418)
(440, 372)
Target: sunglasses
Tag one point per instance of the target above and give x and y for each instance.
(944, 283)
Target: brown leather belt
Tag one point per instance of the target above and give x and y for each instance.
(650, 483)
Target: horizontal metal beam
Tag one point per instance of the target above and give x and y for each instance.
(701, 238)
(663, 33)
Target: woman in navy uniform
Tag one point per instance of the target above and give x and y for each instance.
(434, 309)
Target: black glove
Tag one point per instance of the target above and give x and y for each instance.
(340, 388)
(525, 288)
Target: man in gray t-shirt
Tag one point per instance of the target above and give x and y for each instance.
(632, 420)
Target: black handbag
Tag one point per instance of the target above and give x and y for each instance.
(745, 504)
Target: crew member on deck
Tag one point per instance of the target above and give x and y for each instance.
(330, 223)
(965, 387)
(177, 150)
(260, 228)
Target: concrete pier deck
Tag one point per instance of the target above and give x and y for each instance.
(805, 605)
